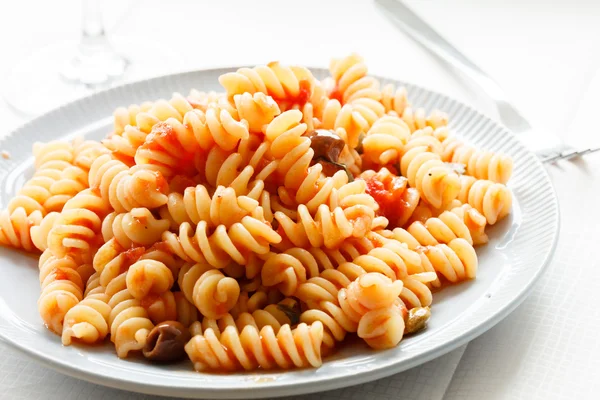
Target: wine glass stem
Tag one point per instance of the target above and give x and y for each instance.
(92, 28)
(95, 63)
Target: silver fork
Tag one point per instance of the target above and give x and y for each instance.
(418, 30)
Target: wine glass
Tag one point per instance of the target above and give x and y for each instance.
(64, 71)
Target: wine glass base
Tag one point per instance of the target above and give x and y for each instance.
(53, 75)
(36, 83)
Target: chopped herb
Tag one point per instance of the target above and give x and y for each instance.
(338, 166)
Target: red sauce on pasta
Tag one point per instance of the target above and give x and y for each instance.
(302, 97)
(161, 133)
(149, 300)
(81, 221)
(160, 246)
(388, 194)
(122, 157)
(161, 182)
(60, 275)
(336, 95)
(130, 256)
(163, 138)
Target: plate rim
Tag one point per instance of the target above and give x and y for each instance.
(308, 386)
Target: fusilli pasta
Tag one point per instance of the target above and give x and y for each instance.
(259, 226)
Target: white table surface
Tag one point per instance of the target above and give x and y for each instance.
(546, 56)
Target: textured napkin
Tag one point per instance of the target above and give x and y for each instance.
(23, 378)
(549, 348)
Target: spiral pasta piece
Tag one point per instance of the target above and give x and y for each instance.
(354, 118)
(492, 200)
(124, 142)
(52, 152)
(62, 289)
(275, 315)
(257, 109)
(162, 307)
(148, 277)
(224, 207)
(427, 138)
(435, 181)
(384, 141)
(394, 99)
(252, 348)
(417, 119)
(124, 116)
(416, 292)
(392, 261)
(127, 188)
(288, 85)
(351, 80)
(443, 229)
(173, 145)
(396, 260)
(346, 252)
(289, 145)
(289, 269)
(124, 145)
(55, 181)
(478, 163)
(382, 328)
(213, 293)
(134, 228)
(237, 243)
(77, 229)
(456, 260)
(474, 221)
(329, 228)
(368, 292)
(39, 231)
(244, 171)
(112, 259)
(15, 228)
(87, 322)
(128, 320)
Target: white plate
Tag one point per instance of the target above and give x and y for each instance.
(519, 249)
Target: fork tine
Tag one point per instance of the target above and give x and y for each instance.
(580, 153)
(567, 155)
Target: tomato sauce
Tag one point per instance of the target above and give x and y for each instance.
(388, 192)
(301, 98)
(336, 95)
(149, 300)
(163, 138)
(131, 256)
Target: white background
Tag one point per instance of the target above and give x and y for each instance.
(545, 54)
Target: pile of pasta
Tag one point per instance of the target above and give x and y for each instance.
(257, 227)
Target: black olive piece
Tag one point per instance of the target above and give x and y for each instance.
(166, 342)
(326, 145)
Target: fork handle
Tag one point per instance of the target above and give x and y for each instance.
(421, 32)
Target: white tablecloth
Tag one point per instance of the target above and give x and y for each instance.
(544, 56)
